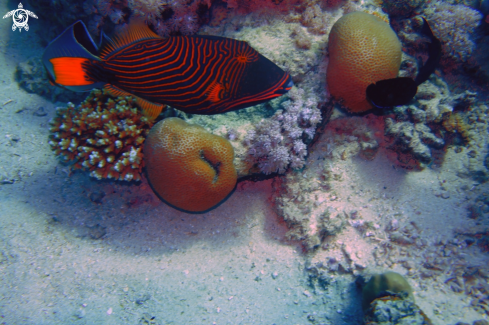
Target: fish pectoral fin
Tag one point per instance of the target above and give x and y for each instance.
(215, 92)
(150, 110)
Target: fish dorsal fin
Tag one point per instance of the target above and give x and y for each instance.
(135, 31)
(150, 110)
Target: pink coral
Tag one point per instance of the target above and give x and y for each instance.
(149, 9)
(189, 24)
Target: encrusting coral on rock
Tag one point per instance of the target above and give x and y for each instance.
(103, 135)
(399, 7)
(413, 137)
(428, 123)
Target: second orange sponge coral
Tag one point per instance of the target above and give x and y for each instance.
(363, 49)
(188, 167)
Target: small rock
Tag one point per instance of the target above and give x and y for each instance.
(40, 112)
(393, 225)
(274, 275)
(97, 196)
(481, 322)
(81, 313)
(143, 299)
(14, 138)
(401, 239)
(109, 311)
(6, 181)
(97, 232)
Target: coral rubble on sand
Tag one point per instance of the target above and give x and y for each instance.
(103, 135)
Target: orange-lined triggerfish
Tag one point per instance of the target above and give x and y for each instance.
(196, 74)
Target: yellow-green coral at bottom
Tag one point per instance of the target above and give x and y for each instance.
(104, 135)
(379, 284)
(188, 167)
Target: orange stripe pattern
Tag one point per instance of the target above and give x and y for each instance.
(196, 74)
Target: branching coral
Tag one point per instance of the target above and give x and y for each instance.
(100, 11)
(422, 126)
(399, 7)
(453, 25)
(149, 9)
(171, 17)
(416, 138)
(102, 135)
(278, 142)
(315, 19)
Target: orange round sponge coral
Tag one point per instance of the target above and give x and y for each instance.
(188, 167)
(363, 49)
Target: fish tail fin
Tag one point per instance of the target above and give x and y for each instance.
(71, 72)
(70, 58)
(150, 109)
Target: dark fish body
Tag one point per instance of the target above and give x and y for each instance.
(196, 74)
(400, 91)
(386, 94)
(434, 55)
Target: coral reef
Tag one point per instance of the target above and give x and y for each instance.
(473, 126)
(453, 26)
(399, 7)
(278, 142)
(299, 202)
(419, 128)
(188, 167)
(301, 64)
(363, 49)
(413, 137)
(315, 19)
(351, 136)
(32, 77)
(103, 135)
(102, 11)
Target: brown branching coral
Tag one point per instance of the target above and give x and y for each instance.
(103, 135)
(457, 122)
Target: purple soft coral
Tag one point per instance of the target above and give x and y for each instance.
(276, 143)
(182, 15)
